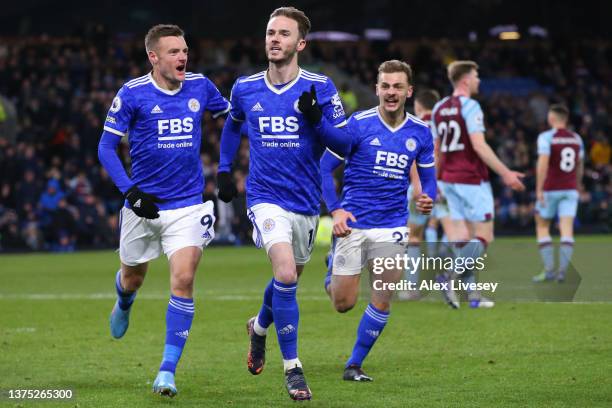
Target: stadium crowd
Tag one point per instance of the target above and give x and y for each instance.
(55, 92)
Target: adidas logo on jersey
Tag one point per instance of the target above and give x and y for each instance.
(257, 108)
(138, 203)
(157, 109)
(182, 334)
(287, 329)
(375, 142)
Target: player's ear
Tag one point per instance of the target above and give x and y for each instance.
(152, 57)
(409, 91)
(301, 44)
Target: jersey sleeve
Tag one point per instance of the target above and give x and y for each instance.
(581, 150)
(120, 113)
(425, 157)
(215, 102)
(544, 144)
(473, 116)
(236, 112)
(331, 104)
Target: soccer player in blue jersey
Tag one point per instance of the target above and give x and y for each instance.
(161, 115)
(370, 219)
(291, 115)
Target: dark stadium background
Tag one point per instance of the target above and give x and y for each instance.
(62, 62)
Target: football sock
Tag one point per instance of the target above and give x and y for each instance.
(566, 250)
(124, 298)
(547, 253)
(178, 323)
(370, 327)
(328, 276)
(265, 318)
(286, 317)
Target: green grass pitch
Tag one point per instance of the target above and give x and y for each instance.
(54, 335)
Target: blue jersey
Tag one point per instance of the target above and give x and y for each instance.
(377, 171)
(164, 130)
(284, 148)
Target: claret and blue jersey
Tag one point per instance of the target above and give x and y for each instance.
(284, 149)
(377, 170)
(164, 134)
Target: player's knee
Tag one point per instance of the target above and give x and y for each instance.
(287, 276)
(182, 281)
(343, 305)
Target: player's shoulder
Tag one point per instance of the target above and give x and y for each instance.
(260, 76)
(364, 114)
(135, 83)
(469, 105)
(416, 122)
(438, 105)
(312, 77)
(195, 77)
(547, 134)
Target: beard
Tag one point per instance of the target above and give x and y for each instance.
(287, 55)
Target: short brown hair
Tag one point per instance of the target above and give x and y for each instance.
(457, 69)
(294, 14)
(560, 110)
(395, 66)
(161, 30)
(427, 98)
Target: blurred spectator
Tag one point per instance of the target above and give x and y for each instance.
(600, 151)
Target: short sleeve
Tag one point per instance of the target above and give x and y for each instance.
(120, 113)
(473, 116)
(331, 104)
(581, 151)
(215, 102)
(544, 144)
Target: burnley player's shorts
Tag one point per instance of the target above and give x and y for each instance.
(561, 202)
(272, 224)
(351, 253)
(143, 240)
(440, 210)
(469, 202)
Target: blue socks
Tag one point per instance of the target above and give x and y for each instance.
(265, 317)
(178, 323)
(124, 298)
(286, 316)
(371, 326)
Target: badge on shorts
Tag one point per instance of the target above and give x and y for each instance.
(194, 105)
(411, 145)
(268, 225)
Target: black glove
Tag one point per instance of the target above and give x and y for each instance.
(227, 188)
(143, 204)
(307, 104)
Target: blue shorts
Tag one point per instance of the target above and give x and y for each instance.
(469, 202)
(561, 202)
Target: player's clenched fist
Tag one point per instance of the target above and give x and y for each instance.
(227, 188)
(341, 217)
(143, 204)
(308, 105)
(424, 204)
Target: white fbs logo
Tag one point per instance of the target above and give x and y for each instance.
(390, 159)
(175, 126)
(276, 124)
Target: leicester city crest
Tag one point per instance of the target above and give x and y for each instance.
(268, 225)
(194, 105)
(411, 145)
